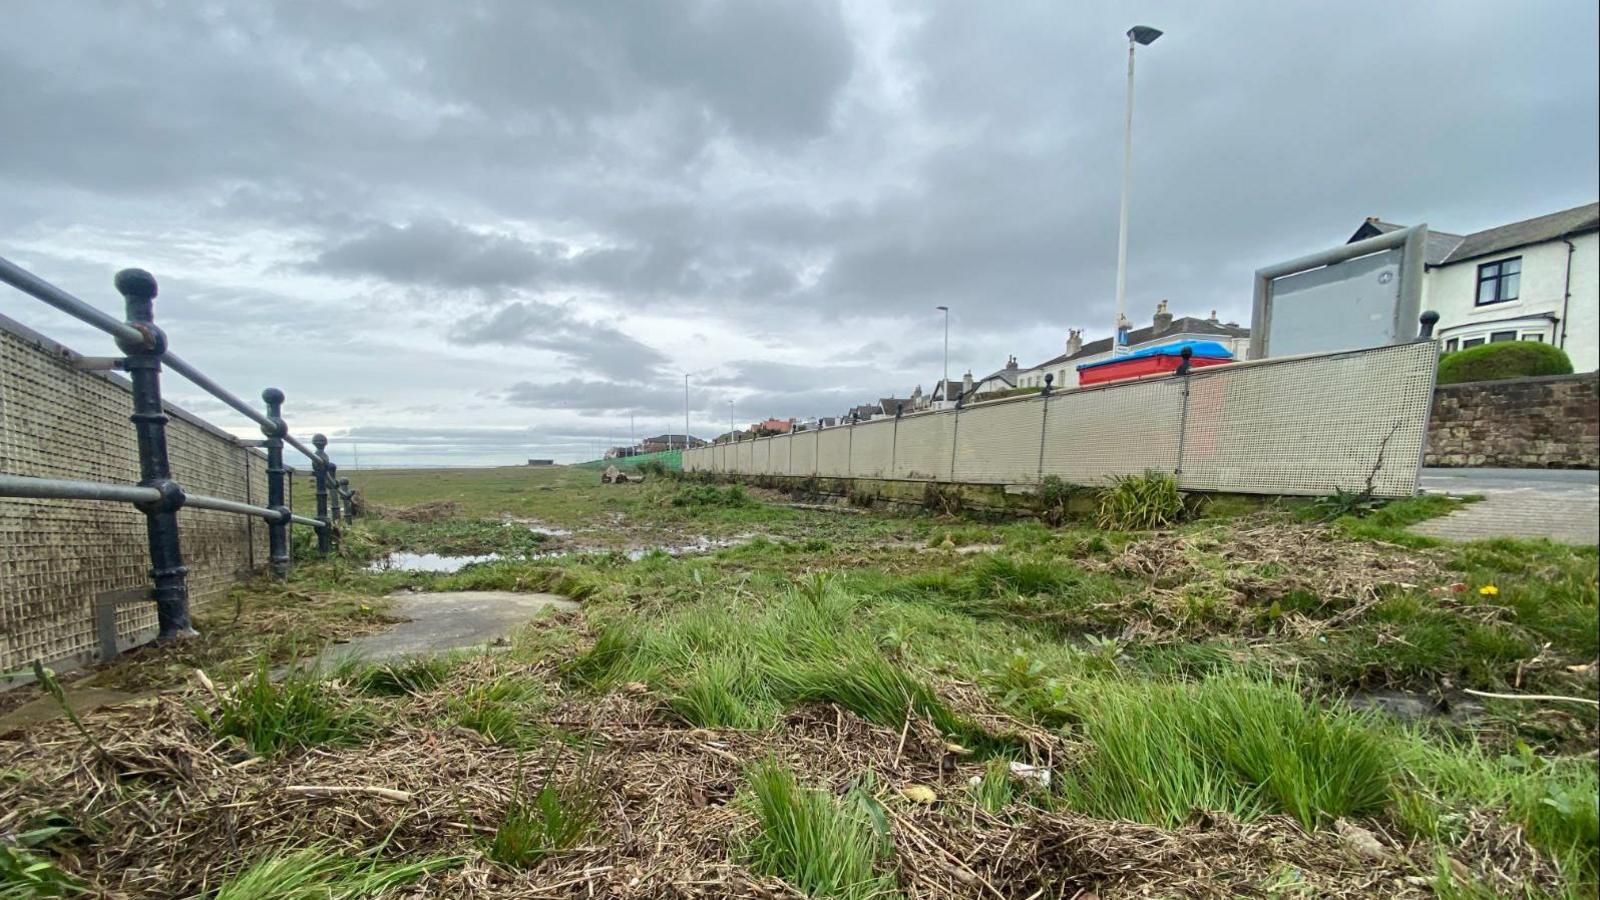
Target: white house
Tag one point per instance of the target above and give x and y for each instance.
(1534, 280)
(1163, 329)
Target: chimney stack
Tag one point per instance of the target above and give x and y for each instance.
(966, 383)
(1011, 364)
(1074, 340)
(1163, 319)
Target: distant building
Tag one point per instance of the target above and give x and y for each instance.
(1534, 280)
(541, 462)
(663, 442)
(1163, 329)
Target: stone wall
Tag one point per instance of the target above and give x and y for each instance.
(1549, 422)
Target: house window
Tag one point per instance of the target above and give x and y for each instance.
(1498, 282)
(1452, 345)
(1471, 342)
(1496, 337)
(1533, 336)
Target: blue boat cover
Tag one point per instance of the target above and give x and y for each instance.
(1203, 349)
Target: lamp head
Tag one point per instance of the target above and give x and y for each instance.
(1143, 34)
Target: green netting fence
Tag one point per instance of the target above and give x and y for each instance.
(672, 459)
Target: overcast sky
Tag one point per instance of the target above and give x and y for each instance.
(474, 232)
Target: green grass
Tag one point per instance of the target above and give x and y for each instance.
(25, 874)
(415, 675)
(1557, 801)
(824, 847)
(736, 667)
(317, 873)
(296, 712)
(502, 708)
(554, 818)
(1229, 743)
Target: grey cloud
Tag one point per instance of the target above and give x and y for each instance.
(587, 396)
(591, 346)
(434, 251)
(769, 174)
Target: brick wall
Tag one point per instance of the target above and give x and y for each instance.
(1549, 422)
(57, 556)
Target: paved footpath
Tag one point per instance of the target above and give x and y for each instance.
(1559, 504)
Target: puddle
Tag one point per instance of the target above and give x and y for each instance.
(535, 526)
(427, 562)
(437, 562)
(1410, 706)
(698, 545)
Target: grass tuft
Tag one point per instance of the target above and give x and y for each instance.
(556, 817)
(315, 873)
(297, 712)
(416, 675)
(818, 845)
(1230, 743)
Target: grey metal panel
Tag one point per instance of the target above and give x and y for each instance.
(1313, 425)
(1346, 305)
(803, 454)
(923, 447)
(871, 447)
(1094, 434)
(761, 456)
(999, 443)
(833, 452)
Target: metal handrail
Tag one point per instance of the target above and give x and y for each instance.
(63, 489)
(157, 494)
(28, 486)
(37, 287)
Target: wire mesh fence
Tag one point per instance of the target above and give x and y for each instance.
(1311, 425)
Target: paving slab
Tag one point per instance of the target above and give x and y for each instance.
(439, 622)
(1559, 504)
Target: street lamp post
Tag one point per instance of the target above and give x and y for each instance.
(946, 311)
(685, 414)
(1138, 34)
(730, 420)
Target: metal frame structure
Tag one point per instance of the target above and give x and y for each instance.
(159, 495)
(1408, 307)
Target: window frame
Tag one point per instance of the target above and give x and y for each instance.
(1499, 278)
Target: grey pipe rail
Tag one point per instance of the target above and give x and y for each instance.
(34, 286)
(201, 380)
(66, 489)
(28, 486)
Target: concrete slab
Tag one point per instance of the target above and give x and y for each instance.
(82, 699)
(444, 621)
(1559, 504)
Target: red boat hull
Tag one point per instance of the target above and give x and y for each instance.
(1141, 367)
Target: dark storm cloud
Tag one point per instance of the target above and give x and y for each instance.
(772, 174)
(590, 346)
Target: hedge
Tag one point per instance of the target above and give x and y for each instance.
(1507, 359)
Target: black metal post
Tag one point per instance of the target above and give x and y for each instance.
(320, 467)
(1049, 380)
(277, 532)
(1429, 320)
(335, 503)
(349, 498)
(143, 364)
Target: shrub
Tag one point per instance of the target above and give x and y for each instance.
(1141, 502)
(1507, 359)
